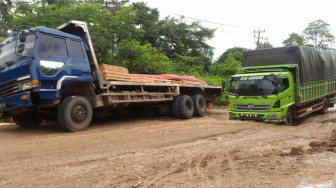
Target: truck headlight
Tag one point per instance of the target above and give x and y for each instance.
(26, 86)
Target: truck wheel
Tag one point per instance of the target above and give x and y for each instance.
(186, 107)
(26, 120)
(175, 109)
(289, 117)
(75, 114)
(324, 110)
(199, 105)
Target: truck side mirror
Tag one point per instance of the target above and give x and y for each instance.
(23, 37)
(21, 48)
(271, 78)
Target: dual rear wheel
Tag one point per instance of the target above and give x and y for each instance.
(185, 106)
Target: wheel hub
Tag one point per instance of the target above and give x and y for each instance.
(78, 113)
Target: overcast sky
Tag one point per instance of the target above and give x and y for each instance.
(279, 18)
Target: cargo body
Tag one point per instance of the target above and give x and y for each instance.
(282, 84)
(48, 74)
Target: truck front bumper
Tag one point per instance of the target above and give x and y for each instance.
(271, 117)
(16, 101)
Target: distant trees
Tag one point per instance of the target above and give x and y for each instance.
(317, 34)
(294, 39)
(265, 45)
(229, 62)
(236, 52)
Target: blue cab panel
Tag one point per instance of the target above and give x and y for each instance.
(13, 102)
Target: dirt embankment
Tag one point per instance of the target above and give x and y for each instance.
(165, 152)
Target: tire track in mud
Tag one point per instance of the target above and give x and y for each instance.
(196, 169)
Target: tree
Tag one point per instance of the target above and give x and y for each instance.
(5, 18)
(265, 45)
(177, 38)
(318, 33)
(147, 19)
(227, 68)
(236, 52)
(294, 39)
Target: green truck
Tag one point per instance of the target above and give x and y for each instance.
(279, 85)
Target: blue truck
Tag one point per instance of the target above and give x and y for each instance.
(53, 75)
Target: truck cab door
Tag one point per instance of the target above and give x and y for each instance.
(287, 95)
(59, 64)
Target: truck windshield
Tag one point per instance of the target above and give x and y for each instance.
(7, 50)
(252, 86)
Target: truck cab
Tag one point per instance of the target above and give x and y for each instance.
(39, 66)
(261, 93)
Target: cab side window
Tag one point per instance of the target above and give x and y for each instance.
(50, 45)
(285, 82)
(77, 49)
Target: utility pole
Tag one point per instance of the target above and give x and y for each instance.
(257, 35)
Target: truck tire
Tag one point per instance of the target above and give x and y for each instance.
(289, 117)
(186, 107)
(324, 110)
(175, 109)
(199, 105)
(75, 114)
(26, 120)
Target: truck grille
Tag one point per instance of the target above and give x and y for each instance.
(252, 107)
(12, 86)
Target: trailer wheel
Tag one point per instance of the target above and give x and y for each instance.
(289, 117)
(75, 114)
(175, 109)
(324, 110)
(199, 105)
(186, 107)
(26, 120)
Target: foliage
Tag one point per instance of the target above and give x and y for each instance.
(236, 52)
(2, 39)
(265, 45)
(176, 38)
(142, 58)
(147, 19)
(227, 68)
(216, 81)
(318, 33)
(294, 39)
(5, 17)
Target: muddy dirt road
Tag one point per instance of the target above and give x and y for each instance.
(165, 152)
